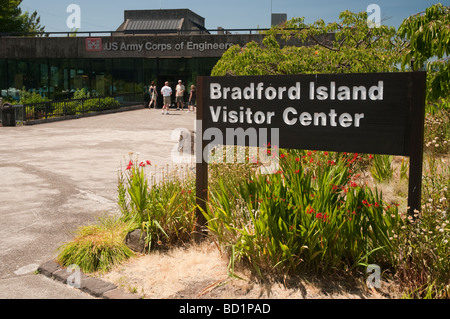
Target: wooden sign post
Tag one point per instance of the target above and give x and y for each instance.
(375, 113)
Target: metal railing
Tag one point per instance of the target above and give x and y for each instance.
(56, 109)
(219, 31)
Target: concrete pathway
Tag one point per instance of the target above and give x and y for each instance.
(55, 177)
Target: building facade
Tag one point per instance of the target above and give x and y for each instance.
(150, 45)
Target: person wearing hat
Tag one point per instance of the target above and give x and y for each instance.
(179, 97)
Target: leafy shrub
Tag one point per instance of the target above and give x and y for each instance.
(31, 97)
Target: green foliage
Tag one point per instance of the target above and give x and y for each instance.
(428, 34)
(437, 132)
(13, 20)
(382, 170)
(163, 209)
(355, 48)
(311, 214)
(422, 262)
(30, 97)
(97, 247)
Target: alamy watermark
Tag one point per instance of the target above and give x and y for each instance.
(74, 279)
(374, 279)
(373, 15)
(74, 19)
(222, 146)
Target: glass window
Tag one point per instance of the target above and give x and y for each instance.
(100, 78)
(123, 76)
(80, 70)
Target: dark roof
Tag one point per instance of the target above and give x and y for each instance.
(161, 21)
(162, 24)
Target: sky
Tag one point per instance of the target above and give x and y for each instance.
(107, 15)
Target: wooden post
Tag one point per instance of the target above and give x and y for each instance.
(418, 83)
(201, 166)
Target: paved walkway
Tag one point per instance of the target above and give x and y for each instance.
(57, 176)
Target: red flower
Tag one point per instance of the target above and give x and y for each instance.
(319, 215)
(142, 164)
(297, 159)
(325, 153)
(148, 162)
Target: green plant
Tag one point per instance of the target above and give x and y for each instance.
(311, 214)
(97, 247)
(437, 132)
(428, 35)
(30, 97)
(382, 170)
(164, 209)
(355, 48)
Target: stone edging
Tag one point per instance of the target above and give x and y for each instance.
(93, 286)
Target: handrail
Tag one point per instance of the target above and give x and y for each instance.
(130, 32)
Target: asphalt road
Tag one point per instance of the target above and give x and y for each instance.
(55, 177)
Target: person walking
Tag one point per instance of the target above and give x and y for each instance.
(153, 95)
(179, 98)
(192, 98)
(166, 92)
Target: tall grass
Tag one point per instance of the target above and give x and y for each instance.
(97, 247)
(422, 258)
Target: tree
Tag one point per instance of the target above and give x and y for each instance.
(428, 34)
(13, 20)
(348, 46)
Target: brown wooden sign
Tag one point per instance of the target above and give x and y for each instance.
(376, 113)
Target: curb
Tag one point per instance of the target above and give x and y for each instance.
(92, 286)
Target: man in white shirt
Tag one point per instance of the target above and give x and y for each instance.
(179, 98)
(166, 92)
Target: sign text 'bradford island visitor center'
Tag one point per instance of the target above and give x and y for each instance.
(375, 113)
(365, 113)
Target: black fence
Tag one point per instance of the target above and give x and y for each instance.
(55, 109)
(156, 32)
